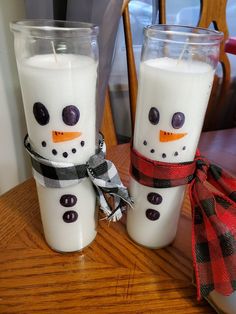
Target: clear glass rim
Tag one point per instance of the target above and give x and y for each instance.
(198, 35)
(46, 28)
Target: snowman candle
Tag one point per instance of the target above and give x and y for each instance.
(57, 65)
(176, 75)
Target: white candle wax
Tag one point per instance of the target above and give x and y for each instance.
(179, 91)
(69, 81)
(59, 103)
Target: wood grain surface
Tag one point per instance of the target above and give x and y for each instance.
(112, 275)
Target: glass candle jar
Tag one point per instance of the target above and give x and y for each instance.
(176, 75)
(57, 64)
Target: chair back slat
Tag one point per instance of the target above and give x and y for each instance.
(108, 127)
(162, 12)
(131, 67)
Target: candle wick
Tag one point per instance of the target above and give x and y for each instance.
(183, 51)
(54, 51)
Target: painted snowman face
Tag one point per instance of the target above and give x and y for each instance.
(60, 105)
(66, 130)
(170, 108)
(167, 135)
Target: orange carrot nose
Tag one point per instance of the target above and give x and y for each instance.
(169, 136)
(58, 136)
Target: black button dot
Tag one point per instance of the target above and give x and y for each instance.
(54, 152)
(163, 155)
(176, 154)
(68, 200)
(152, 214)
(145, 143)
(70, 216)
(73, 150)
(184, 147)
(65, 154)
(154, 198)
(82, 143)
(44, 144)
(152, 151)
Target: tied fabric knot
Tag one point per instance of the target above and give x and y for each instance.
(212, 194)
(102, 173)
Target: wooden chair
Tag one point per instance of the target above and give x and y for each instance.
(216, 115)
(108, 128)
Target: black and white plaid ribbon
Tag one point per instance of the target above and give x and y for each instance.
(102, 173)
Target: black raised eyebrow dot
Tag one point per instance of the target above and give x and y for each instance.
(70, 115)
(178, 120)
(41, 113)
(154, 115)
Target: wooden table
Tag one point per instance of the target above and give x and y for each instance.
(112, 275)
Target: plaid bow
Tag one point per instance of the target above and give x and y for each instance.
(213, 214)
(102, 173)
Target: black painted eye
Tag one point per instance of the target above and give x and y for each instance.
(154, 116)
(41, 113)
(70, 115)
(178, 120)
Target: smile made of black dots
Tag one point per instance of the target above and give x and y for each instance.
(163, 155)
(64, 154)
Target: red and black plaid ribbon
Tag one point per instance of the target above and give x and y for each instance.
(213, 214)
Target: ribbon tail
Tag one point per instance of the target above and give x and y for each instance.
(121, 199)
(196, 217)
(120, 206)
(103, 204)
(213, 241)
(116, 214)
(105, 177)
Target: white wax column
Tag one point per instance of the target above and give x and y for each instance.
(178, 91)
(59, 102)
